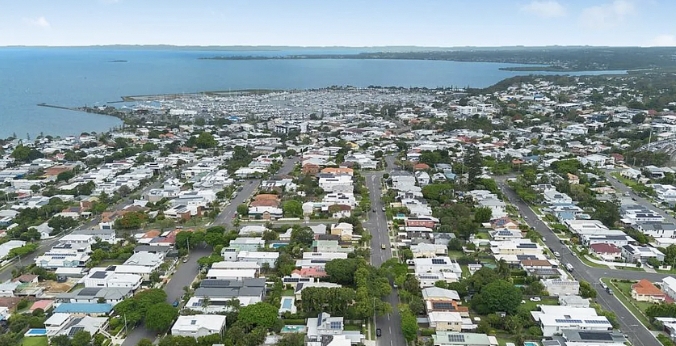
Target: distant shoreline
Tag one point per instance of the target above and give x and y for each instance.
(535, 68)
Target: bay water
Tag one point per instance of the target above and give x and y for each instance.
(74, 77)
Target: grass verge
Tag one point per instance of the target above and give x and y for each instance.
(620, 289)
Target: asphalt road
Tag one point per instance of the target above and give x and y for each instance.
(630, 326)
(390, 324)
(248, 189)
(624, 189)
(183, 276)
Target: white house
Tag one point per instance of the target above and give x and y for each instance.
(99, 277)
(554, 319)
(198, 325)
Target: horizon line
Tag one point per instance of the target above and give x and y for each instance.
(318, 47)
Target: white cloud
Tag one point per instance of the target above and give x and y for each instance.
(663, 41)
(40, 22)
(545, 8)
(607, 15)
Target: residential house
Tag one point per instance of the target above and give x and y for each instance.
(444, 338)
(606, 251)
(553, 320)
(198, 325)
(214, 296)
(326, 327)
(445, 321)
(634, 253)
(646, 291)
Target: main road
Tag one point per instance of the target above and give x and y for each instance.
(381, 251)
(637, 333)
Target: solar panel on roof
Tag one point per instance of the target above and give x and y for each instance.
(456, 338)
(527, 246)
(336, 325)
(98, 275)
(595, 336)
(596, 322)
(89, 291)
(74, 331)
(567, 321)
(442, 306)
(438, 261)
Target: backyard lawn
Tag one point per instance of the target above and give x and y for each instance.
(532, 306)
(35, 341)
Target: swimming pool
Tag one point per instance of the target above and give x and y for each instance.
(36, 332)
(530, 343)
(293, 329)
(287, 303)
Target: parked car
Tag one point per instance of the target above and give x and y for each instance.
(383, 246)
(378, 332)
(557, 254)
(535, 299)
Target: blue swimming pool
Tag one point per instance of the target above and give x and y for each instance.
(293, 329)
(287, 303)
(530, 343)
(36, 332)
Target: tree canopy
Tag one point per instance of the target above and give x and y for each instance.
(497, 296)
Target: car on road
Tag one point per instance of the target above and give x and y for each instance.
(185, 260)
(373, 210)
(379, 332)
(543, 239)
(569, 267)
(383, 246)
(609, 291)
(557, 254)
(175, 304)
(383, 208)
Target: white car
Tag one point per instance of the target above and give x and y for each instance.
(535, 299)
(557, 254)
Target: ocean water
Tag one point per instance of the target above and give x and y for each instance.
(88, 76)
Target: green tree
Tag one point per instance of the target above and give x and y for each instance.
(409, 324)
(341, 271)
(292, 339)
(131, 220)
(81, 338)
(205, 140)
(497, 296)
(302, 236)
(292, 208)
(483, 214)
(160, 316)
(638, 118)
(65, 176)
(23, 153)
(243, 210)
(257, 315)
(586, 290)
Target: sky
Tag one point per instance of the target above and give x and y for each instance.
(356, 23)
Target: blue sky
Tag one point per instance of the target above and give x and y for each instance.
(358, 23)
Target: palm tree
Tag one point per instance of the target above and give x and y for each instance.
(205, 303)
